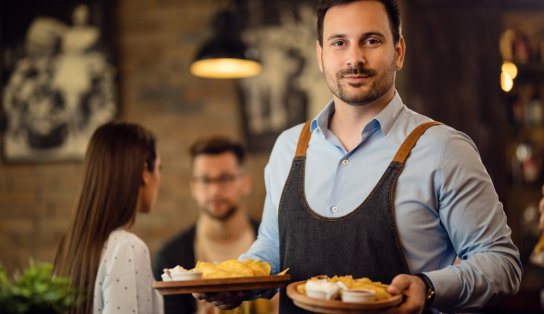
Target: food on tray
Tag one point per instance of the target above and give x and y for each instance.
(358, 295)
(180, 273)
(233, 268)
(228, 269)
(322, 289)
(360, 286)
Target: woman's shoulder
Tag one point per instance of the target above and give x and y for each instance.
(120, 235)
(121, 240)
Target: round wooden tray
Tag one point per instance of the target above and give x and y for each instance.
(221, 284)
(335, 306)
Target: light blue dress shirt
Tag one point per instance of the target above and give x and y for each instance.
(445, 203)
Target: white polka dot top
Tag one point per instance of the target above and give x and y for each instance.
(123, 281)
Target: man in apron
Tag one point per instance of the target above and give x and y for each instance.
(372, 189)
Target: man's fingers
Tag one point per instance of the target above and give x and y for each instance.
(222, 300)
(399, 284)
(413, 289)
(229, 306)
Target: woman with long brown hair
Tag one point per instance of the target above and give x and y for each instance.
(105, 261)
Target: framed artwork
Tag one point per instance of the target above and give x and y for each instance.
(291, 88)
(58, 76)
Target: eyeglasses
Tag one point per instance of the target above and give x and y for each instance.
(223, 180)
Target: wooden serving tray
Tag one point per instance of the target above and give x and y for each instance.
(336, 306)
(220, 285)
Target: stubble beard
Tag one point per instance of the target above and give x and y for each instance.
(378, 86)
(224, 217)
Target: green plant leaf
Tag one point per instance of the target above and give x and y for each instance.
(36, 290)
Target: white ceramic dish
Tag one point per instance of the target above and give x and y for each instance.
(179, 273)
(321, 289)
(166, 277)
(186, 276)
(358, 295)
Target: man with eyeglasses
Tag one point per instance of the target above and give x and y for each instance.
(224, 230)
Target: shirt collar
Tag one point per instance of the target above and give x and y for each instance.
(387, 117)
(384, 118)
(321, 121)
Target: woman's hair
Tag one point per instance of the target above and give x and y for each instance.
(113, 167)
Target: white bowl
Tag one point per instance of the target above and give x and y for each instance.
(358, 295)
(321, 289)
(186, 276)
(166, 277)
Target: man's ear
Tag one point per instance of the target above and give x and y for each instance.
(318, 54)
(400, 50)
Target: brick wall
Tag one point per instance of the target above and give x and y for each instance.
(156, 41)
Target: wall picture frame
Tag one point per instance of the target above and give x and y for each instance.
(291, 88)
(58, 77)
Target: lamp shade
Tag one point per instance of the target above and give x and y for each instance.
(225, 55)
(226, 58)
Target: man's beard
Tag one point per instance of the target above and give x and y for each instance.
(378, 87)
(222, 218)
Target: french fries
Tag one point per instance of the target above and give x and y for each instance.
(233, 268)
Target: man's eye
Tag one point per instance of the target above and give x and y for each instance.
(337, 43)
(372, 42)
(226, 179)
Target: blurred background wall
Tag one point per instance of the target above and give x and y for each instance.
(452, 74)
(155, 42)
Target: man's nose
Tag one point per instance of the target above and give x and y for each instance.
(356, 56)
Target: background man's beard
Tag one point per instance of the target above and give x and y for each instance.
(229, 213)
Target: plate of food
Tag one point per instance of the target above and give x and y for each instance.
(230, 275)
(342, 294)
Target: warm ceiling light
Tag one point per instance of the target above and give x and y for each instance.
(225, 56)
(510, 69)
(507, 83)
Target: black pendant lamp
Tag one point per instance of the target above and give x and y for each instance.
(225, 56)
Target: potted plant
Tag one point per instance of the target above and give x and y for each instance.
(36, 290)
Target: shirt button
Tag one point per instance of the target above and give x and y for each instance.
(334, 209)
(345, 162)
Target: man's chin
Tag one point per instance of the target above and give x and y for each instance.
(220, 214)
(216, 214)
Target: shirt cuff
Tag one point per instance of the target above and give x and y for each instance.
(446, 286)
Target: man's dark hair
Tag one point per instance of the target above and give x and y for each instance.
(216, 145)
(391, 7)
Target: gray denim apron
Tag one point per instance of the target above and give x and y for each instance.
(364, 243)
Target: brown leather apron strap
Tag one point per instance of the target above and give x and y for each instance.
(304, 139)
(406, 147)
(401, 155)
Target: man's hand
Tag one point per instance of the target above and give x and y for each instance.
(413, 289)
(232, 299)
(224, 300)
